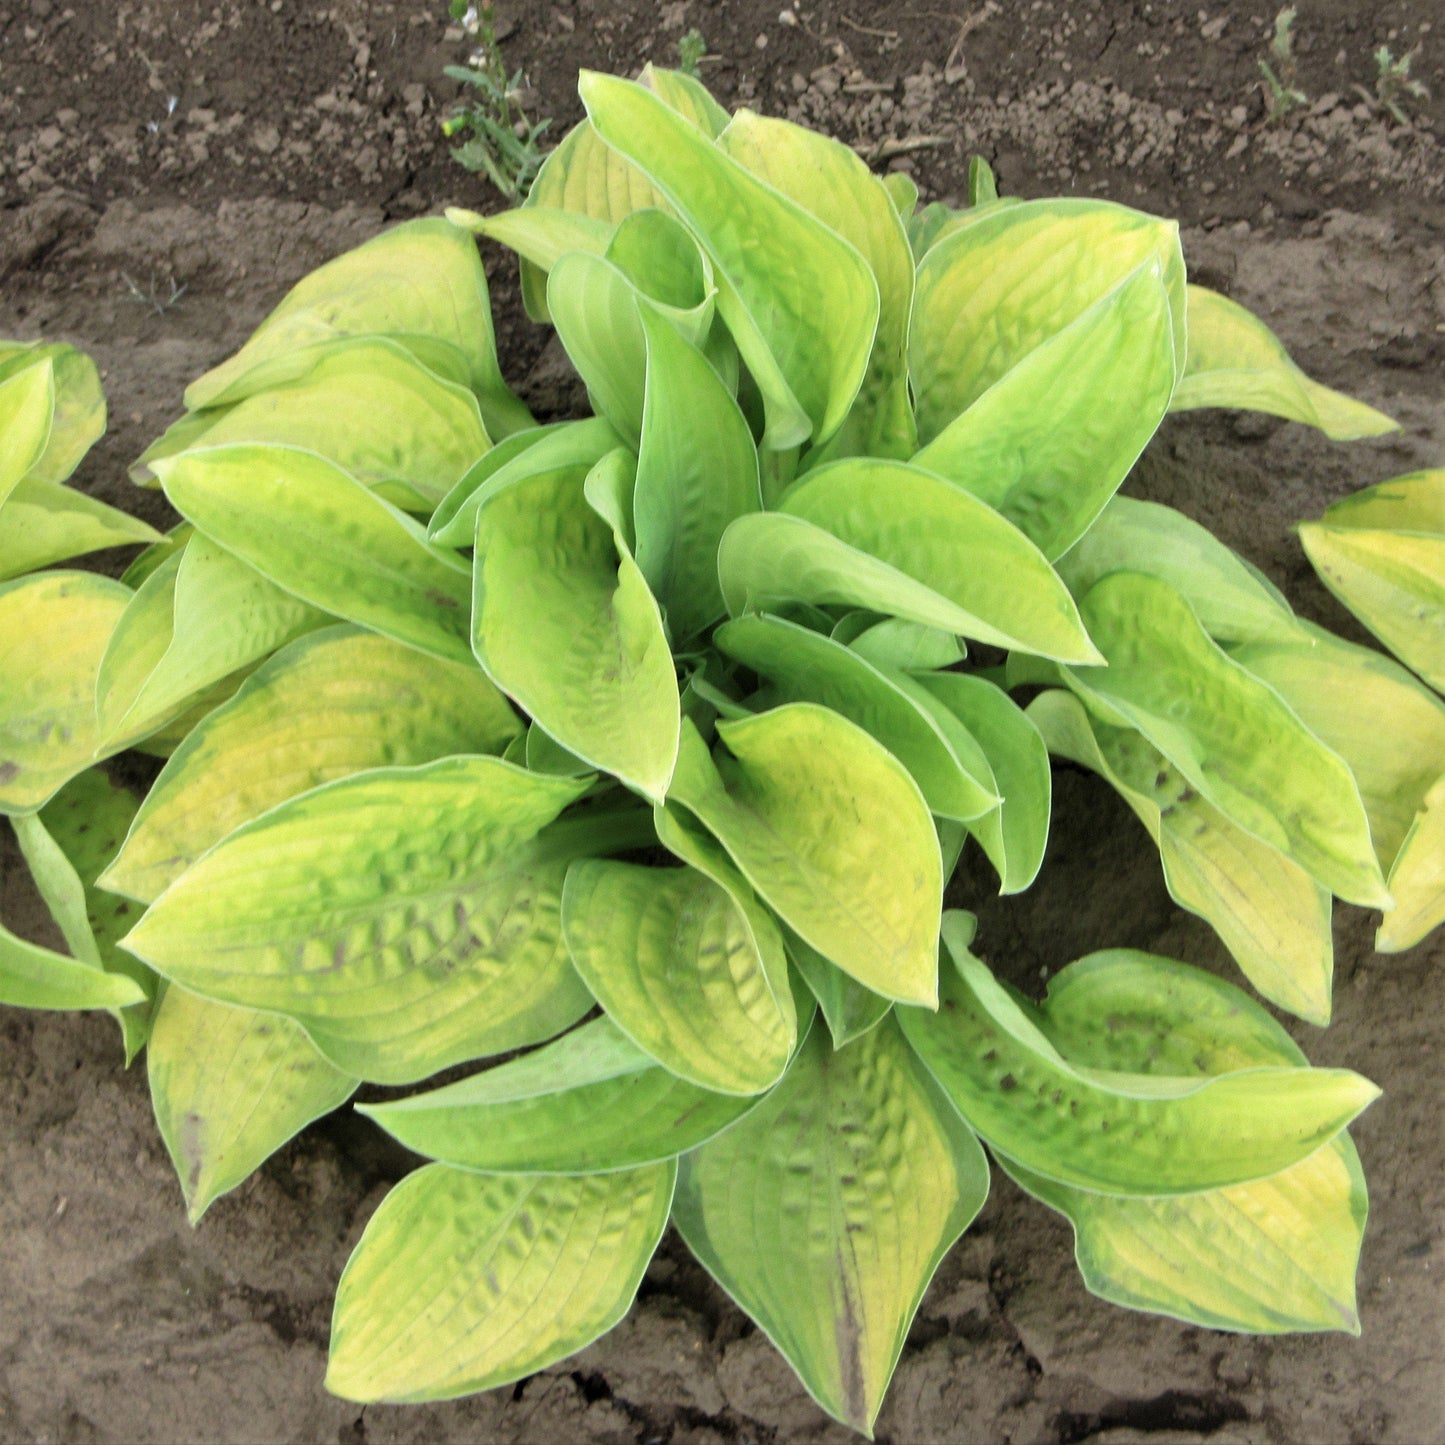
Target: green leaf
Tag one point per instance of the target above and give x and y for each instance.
(407, 918)
(800, 302)
(1343, 694)
(230, 1087)
(902, 191)
(27, 403)
(590, 1102)
(697, 471)
(67, 846)
(834, 835)
(42, 523)
(336, 702)
(561, 446)
(319, 534)
(694, 978)
(687, 95)
(1015, 835)
(662, 260)
(990, 293)
(1229, 734)
(1115, 1131)
(1051, 440)
(825, 1211)
(1233, 602)
(466, 1281)
(54, 627)
(36, 977)
(1382, 553)
(200, 617)
(541, 236)
(893, 642)
(828, 180)
(564, 623)
(1417, 878)
(77, 420)
(915, 546)
(367, 404)
(849, 1009)
(982, 185)
(1271, 915)
(804, 666)
(420, 283)
(1269, 1257)
(1235, 360)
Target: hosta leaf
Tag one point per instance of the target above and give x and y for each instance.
(800, 302)
(1051, 440)
(404, 916)
(420, 283)
(336, 702)
(661, 258)
(319, 534)
(1271, 915)
(596, 311)
(563, 446)
(896, 643)
(1115, 1131)
(230, 1087)
(54, 627)
(36, 977)
(1014, 835)
(1228, 733)
(829, 181)
(77, 420)
(697, 471)
(27, 403)
(563, 622)
(804, 666)
(834, 835)
(825, 1211)
(1268, 1257)
(958, 565)
(687, 95)
(1232, 601)
(1235, 360)
(366, 404)
(902, 191)
(1382, 553)
(42, 523)
(201, 616)
(692, 978)
(589, 1103)
(466, 1281)
(1417, 879)
(849, 1009)
(995, 290)
(67, 846)
(540, 235)
(1342, 694)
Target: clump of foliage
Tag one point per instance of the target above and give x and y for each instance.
(498, 138)
(1281, 93)
(1394, 86)
(647, 744)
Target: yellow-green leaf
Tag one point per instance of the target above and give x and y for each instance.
(42, 523)
(466, 1281)
(1235, 360)
(1417, 878)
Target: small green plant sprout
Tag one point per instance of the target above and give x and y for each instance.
(1394, 87)
(154, 295)
(498, 138)
(1282, 95)
(691, 50)
(627, 758)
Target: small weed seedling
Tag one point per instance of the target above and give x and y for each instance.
(153, 296)
(1393, 86)
(692, 50)
(1282, 95)
(498, 138)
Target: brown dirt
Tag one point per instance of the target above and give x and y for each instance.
(297, 131)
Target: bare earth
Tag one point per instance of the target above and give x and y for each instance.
(297, 131)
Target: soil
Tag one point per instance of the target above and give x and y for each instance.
(218, 151)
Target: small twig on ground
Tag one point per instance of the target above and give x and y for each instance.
(954, 68)
(868, 29)
(890, 146)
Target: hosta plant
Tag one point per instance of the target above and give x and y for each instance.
(627, 759)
